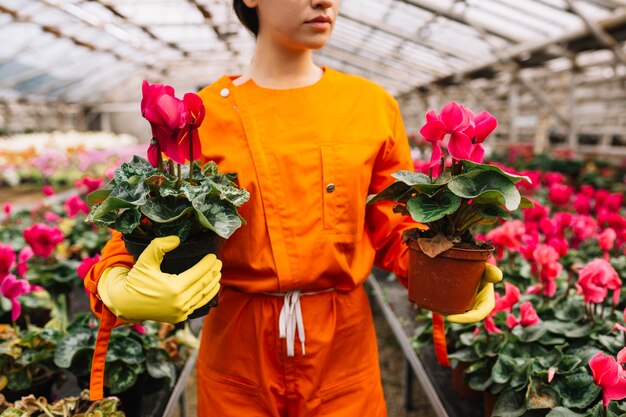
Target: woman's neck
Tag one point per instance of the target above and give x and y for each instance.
(280, 68)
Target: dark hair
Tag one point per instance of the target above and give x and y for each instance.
(247, 16)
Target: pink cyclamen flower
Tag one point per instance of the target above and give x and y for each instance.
(600, 198)
(584, 227)
(551, 373)
(596, 279)
(52, 217)
(560, 194)
(588, 190)
(545, 254)
(43, 238)
(502, 303)
(614, 201)
(453, 120)
(89, 184)
(22, 260)
(551, 178)
(609, 375)
(510, 298)
(7, 259)
(167, 116)
(559, 245)
(483, 124)
(606, 239)
(582, 203)
(194, 104)
(7, 208)
(86, 264)
(139, 328)
(528, 316)
(47, 190)
(12, 288)
(75, 205)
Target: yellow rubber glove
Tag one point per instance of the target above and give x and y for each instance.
(146, 293)
(485, 300)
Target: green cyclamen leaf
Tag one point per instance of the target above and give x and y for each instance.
(219, 217)
(425, 209)
(228, 192)
(121, 376)
(97, 196)
(474, 167)
(503, 369)
(411, 178)
(577, 390)
(160, 365)
(134, 192)
(70, 345)
(128, 221)
(486, 188)
(165, 209)
(392, 192)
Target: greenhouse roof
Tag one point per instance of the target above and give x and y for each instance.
(82, 50)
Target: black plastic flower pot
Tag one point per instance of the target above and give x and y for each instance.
(186, 255)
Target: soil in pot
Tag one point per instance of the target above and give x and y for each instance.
(447, 283)
(186, 255)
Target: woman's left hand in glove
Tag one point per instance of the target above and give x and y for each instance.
(485, 299)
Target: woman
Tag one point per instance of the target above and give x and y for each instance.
(293, 333)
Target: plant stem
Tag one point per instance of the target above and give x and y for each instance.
(190, 151)
(170, 167)
(159, 156)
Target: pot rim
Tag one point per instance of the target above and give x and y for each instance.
(457, 253)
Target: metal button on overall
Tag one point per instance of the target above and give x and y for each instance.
(330, 188)
(225, 92)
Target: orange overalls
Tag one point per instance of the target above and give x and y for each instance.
(309, 156)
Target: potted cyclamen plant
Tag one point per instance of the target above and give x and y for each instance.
(175, 195)
(450, 201)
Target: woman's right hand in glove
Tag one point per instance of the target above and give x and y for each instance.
(146, 293)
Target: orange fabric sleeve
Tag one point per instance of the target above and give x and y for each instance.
(113, 254)
(386, 227)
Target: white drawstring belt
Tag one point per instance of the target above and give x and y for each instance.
(290, 319)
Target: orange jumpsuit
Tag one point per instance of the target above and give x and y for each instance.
(309, 156)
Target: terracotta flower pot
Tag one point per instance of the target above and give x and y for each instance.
(460, 386)
(186, 255)
(489, 402)
(447, 283)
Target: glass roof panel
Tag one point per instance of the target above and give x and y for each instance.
(52, 45)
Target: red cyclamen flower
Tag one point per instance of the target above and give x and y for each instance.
(86, 264)
(453, 120)
(606, 239)
(528, 316)
(596, 279)
(560, 194)
(12, 288)
(7, 259)
(22, 258)
(43, 239)
(609, 375)
(75, 205)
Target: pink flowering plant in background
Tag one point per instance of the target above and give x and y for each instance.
(562, 303)
(459, 191)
